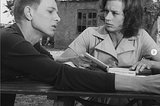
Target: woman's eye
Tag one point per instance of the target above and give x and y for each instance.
(106, 11)
(114, 13)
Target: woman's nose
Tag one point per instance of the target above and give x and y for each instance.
(108, 16)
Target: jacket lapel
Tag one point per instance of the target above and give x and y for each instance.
(107, 46)
(126, 45)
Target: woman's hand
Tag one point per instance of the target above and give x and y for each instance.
(142, 66)
(82, 62)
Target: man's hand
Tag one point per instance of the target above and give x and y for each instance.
(145, 84)
(151, 84)
(141, 66)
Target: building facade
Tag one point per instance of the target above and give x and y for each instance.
(75, 17)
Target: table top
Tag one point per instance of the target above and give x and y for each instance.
(40, 88)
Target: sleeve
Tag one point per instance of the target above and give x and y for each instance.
(150, 49)
(20, 56)
(81, 43)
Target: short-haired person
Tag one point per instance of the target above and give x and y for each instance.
(22, 55)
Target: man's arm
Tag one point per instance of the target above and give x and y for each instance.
(39, 48)
(19, 56)
(148, 84)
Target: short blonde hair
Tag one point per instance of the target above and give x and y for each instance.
(19, 6)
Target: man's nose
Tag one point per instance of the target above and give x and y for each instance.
(57, 18)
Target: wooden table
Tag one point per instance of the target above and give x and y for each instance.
(38, 88)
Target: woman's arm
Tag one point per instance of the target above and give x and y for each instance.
(66, 56)
(140, 66)
(150, 53)
(78, 60)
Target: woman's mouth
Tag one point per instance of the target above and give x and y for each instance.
(110, 25)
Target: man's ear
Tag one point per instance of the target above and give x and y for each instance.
(28, 13)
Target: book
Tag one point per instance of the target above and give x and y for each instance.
(69, 63)
(122, 71)
(117, 70)
(98, 62)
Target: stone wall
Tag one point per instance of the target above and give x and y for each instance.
(67, 27)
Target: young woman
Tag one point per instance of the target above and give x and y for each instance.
(120, 42)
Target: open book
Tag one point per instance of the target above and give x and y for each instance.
(98, 62)
(121, 71)
(105, 67)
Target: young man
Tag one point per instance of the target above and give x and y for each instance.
(22, 55)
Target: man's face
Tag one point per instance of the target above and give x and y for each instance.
(45, 17)
(114, 16)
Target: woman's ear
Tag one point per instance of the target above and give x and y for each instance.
(28, 13)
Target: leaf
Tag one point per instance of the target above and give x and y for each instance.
(9, 4)
(5, 11)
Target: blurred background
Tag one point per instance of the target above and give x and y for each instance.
(77, 15)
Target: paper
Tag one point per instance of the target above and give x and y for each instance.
(122, 71)
(69, 63)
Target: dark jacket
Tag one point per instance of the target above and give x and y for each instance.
(20, 58)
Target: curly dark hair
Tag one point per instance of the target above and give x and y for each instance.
(133, 16)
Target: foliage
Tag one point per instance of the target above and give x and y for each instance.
(9, 5)
(1, 26)
(152, 11)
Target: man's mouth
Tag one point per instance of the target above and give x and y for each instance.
(54, 27)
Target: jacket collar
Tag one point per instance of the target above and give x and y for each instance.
(106, 45)
(100, 32)
(17, 29)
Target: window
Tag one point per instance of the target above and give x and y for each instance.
(86, 18)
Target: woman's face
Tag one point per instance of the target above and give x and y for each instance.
(114, 15)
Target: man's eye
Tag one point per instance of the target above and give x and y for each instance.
(50, 11)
